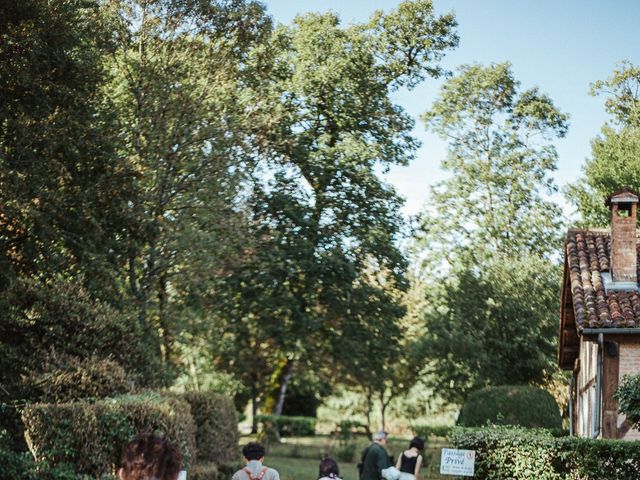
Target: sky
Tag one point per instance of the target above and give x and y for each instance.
(561, 46)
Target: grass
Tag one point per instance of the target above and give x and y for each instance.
(298, 458)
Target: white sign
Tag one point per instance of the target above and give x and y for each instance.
(457, 462)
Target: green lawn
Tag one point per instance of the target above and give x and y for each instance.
(298, 458)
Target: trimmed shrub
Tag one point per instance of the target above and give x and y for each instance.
(521, 405)
(288, 426)
(13, 465)
(68, 378)
(216, 424)
(521, 454)
(90, 436)
(38, 317)
(212, 471)
(428, 431)
(347, 429)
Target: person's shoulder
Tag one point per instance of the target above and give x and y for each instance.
(239, 475)
(272, 474)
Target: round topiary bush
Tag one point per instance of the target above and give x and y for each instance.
(522, 405)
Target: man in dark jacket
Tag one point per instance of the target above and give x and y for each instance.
(375, 458)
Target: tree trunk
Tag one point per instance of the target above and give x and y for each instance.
(254, 411)
(284, 384)
(166, 338)
(369, 407)
(383, 411)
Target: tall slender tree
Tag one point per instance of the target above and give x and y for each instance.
(490, 235)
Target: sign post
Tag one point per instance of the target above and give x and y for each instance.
(457, 462)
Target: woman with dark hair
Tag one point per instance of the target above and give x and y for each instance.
(150, 457)
(328, 470)
(410, 461)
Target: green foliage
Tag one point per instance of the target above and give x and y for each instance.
(521, 405)
(615, 163)
(428, 431)
(623, 95)
(628, 397)
(213, 471)
(288, 426)
(62, 192)
(501, 155)
(483, 331)
(491, 235)
(64, 379)
(615, 152)
(324, 226)
(520, 454)
(90, 436)
(48, 326)
(346, 452)
(15, 466)
(347, 429)
(216, 425)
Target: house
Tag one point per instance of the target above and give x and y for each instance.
(600, 319)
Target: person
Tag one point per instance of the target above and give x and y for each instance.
(328, 470)
(410, 461)
(150, 457)
(254, 469)
(375, 458)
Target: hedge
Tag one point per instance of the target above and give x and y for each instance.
(288, 426)
(428, 431)
(518, 454)
(90, 436)
(521, 405)
(213, 471)
(216, 424)
(66, 378)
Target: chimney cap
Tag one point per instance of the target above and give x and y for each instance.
(625, 194)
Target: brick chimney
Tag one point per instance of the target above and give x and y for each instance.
(624, 213)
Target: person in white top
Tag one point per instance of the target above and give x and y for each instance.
(328, 470)
(253, 454)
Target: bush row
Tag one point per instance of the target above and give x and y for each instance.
(216, 427)
(287, 426)
(89, 437)
(213, 471)
(518, 454)
(522, 405)
(429, 431)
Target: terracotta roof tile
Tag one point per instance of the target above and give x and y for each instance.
(588, 255)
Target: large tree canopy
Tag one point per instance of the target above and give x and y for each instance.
(490, 232)
(325, 123)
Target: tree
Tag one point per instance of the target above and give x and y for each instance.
(615, 152)
(324, 123)
(490, 234)
(60, 186)
(174, 88)
(501, 157)
(494, 325)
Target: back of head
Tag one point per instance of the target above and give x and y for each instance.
(253, 451)
(148, 457)
(328, 468)
(379, 436)
(418, 443)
